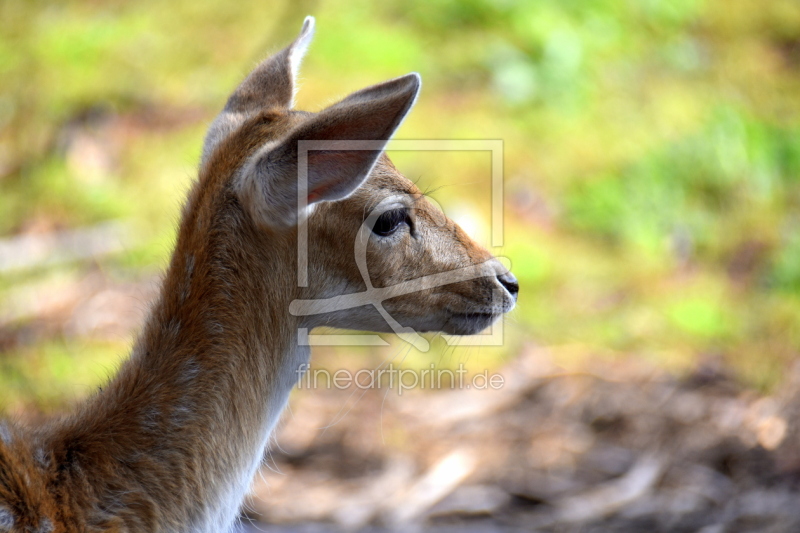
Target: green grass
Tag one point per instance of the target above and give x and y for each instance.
(652, 152)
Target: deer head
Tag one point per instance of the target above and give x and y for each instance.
(344, 190)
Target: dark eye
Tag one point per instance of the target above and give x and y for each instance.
(389, 221)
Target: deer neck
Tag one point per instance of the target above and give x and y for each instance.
(191, 411)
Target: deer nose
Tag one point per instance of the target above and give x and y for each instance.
(508, 281)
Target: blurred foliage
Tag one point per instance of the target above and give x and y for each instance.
(652, 151)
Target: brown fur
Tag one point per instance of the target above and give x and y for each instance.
(171, 442)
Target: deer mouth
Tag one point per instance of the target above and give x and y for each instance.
(470, 323)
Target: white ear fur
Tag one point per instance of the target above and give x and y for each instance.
(298, 50)
(268, 183)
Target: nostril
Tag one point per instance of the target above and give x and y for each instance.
(508, 281)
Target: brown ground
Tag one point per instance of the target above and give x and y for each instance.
(622, 448)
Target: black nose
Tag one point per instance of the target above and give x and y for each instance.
(508, 281)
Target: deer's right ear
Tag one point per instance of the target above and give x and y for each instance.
(269, 183)
(271, 84)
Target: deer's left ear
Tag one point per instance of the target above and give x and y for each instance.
(353, 133)
(271, 84)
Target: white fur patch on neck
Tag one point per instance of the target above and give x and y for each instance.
(6, 520)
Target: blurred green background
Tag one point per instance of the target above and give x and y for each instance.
(652, 164)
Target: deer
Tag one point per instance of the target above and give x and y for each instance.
(172, 442)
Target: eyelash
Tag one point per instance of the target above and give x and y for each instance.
(388, 222)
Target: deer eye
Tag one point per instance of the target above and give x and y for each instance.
(388, 222)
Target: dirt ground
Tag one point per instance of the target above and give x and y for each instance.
(621, 448)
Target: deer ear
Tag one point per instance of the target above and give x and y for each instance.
(362, 124)
(271, 84)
